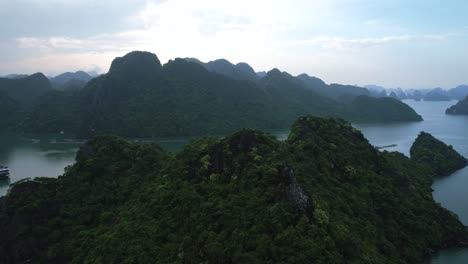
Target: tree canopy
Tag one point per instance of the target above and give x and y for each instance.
(139, 97)
(325, 195)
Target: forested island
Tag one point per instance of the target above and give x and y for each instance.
(442, 159)
(139, 97)
(461, 108)
(325, 195)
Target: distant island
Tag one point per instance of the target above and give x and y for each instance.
(434, 94)
(139, 97)
(325, 195)
(442, 159)
(461, 108)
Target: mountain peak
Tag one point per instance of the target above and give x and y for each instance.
(274, 72)
(311, 81)
(193, 60)
(223, 61)
(136, 62)
(278, 75)
(311, 128)
(245, 65)
(247, 69)
(68, 76)
(179, 66)
(37, 76)
(240, 71)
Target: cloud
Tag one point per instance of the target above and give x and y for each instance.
(121, 41)
(325, 37)
(206, 29)
(373, 22)
(340, 43)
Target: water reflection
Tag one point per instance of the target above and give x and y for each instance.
(32, 156)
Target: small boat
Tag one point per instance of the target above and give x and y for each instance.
(4, 172)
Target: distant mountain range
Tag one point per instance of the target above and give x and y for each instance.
(243, 71)
(70, 80)
(15, 76)
(139, 97)
(240, 71)
(64, 81)
(434, 94)
(26, 91)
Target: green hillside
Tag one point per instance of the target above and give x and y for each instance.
(325, 195)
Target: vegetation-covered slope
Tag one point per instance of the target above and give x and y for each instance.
(442, 159)
(26, 91)
(18, 96)
(384, 109)
(325, 195)
(55, 111)
(181, 98)
(461, 108)
(139, 97)
(9, 110)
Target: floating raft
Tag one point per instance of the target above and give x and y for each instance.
(388, 146)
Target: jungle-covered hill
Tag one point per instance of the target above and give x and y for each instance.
(460, 108)
(442, 159)
(139, 97)
(325, 195)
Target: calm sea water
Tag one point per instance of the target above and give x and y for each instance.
(30, 156)
(451, 191)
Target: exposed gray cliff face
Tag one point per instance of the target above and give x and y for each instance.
(295, 192)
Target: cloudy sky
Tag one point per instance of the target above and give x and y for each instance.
(398, 43)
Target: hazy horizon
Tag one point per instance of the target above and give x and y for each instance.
(420, 44)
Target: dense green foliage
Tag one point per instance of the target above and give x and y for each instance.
(442, 159)
(72, 85)
(17, 96)
(383, 109)
(141, 98)
(461, 108)
(325, 195)
(55, 111)
(26, 91)
(9, 110)
(342, 93)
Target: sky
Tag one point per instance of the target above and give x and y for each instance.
(398, 43)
